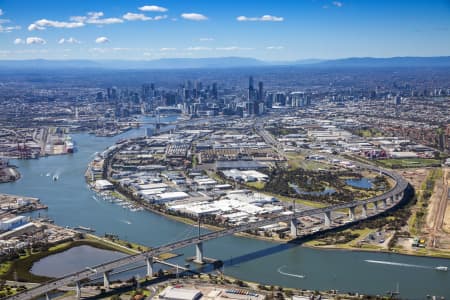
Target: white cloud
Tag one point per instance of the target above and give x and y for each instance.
(32, 27)
(162, 17)
(167, 49)
(98, 50)
(275, 48)
(198, 48)
(8, 28)
(95, 18)
(35, 40)
(44, 23)
(102, 40)
(265, 18)
(70, 40)
(141, 17)
(18, 41)
(123, 49)
(338, 3)
(135, 17)
(232, 48)
(152, 8)
(206, 39)
(194, 17)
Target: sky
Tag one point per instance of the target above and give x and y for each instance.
(272, 30)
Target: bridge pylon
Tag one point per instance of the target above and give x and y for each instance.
(106, 280)
(327, 218)
(199, 253)
(77, 290)
(294, 229)
(149, 263)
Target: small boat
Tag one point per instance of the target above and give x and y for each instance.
(55, 177)
(442, 268)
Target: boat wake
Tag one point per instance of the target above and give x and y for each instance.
(126, 222)
(382, 262)
(289, 274)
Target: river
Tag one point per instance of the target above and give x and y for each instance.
(71, 203)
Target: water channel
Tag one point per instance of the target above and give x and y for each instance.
(71, 203)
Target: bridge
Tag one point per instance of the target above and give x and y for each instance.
(380, 203)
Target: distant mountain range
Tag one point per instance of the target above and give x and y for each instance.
(224, 62)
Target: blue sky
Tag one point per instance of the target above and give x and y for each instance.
(264, 29)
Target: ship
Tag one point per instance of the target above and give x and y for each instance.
(68, 143)
(441, 268)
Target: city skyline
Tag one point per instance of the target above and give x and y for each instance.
(267, 30)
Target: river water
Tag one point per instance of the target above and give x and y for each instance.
(71, 203)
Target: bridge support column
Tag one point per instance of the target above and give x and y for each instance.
(106, 280)
(391, 199)
(77, 290)
(351, 213)
(47, 296)
(149, 262)
(384, 201)
(364, 211)
(199, 253)
(399, 196)
(294, 233)
(375, 206)
(327, 218)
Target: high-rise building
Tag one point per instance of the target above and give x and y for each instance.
(280, 98)
(260, 91)
(299, 99)
(145, 91)
(251, 89)
(214, 91)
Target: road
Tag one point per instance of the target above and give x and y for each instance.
(441, 208)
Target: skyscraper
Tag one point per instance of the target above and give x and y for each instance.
(260, 91)
(214, 91)
(251, 89)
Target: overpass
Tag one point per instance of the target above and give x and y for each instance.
(380, 204)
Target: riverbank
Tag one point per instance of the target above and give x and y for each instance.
(16, 204)
(19, 269)
(419, 253)
(192, 222)
(9, 174)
